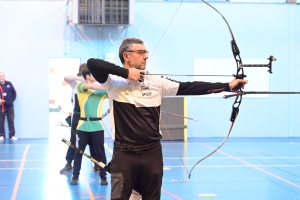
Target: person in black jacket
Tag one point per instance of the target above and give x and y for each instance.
(7, 97)
(135, 99)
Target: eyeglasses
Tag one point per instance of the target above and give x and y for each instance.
(140, 52)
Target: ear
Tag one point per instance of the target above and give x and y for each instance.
(126, 56)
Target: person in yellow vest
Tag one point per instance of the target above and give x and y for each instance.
(89, 129)
(72, 81)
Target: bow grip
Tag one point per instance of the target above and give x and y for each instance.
(239, 86)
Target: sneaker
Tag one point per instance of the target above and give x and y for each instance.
(96, 168)
(103, 182)
(74, 181)
(1, 138)
(13, 138)
(67, 168)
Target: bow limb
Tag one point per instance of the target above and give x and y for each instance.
(235, 50)
(234, 114)
(190, 173)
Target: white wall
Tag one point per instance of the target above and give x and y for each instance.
(33, 31)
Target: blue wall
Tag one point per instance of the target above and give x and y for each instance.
(34, 31)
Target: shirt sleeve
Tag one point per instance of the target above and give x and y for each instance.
(201, 88)
(79, 87)
(169, 87)
(100, 69)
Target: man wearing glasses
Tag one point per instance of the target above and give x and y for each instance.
(137, 161)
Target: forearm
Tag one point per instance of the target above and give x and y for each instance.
(201, 88)
(72, 79)
(101, 69)
(93, 86)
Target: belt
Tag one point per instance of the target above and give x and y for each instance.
(90, 118)
(119, 146)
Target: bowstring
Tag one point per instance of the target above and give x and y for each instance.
(160, 39)
(170, 137)
(158, 113)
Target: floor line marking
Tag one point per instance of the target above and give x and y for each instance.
(88, 187)
(171, 194)
(229, 166)
(225, 158)
(17, 183)
(249, 164)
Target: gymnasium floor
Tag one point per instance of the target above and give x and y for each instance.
(243, 169)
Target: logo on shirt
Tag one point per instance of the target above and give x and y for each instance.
(127, 92)
(145, 91)
(8, 86)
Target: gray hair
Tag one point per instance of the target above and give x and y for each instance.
(126, 44)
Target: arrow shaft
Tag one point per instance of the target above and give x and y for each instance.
(178, 115)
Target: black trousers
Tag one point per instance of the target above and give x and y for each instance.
(71, 152)
(82, 139)
(10, 114)
(142, 171)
